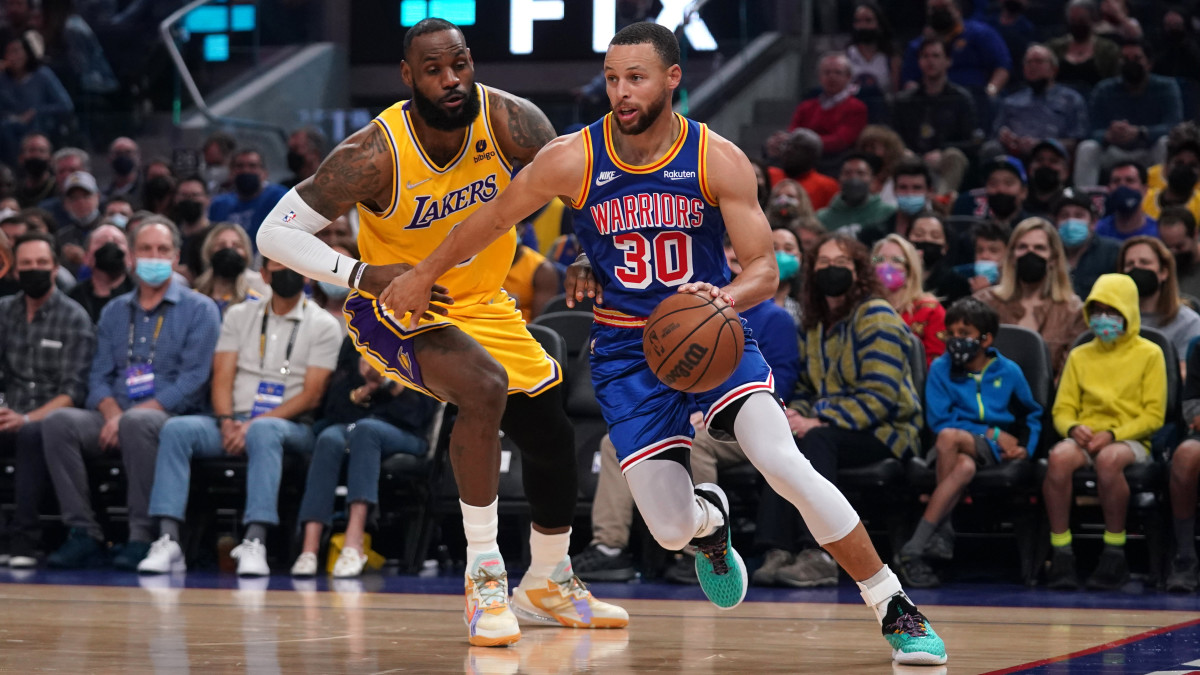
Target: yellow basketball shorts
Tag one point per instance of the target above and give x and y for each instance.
(387, 344)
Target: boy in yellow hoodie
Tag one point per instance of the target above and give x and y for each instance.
(1111, 399)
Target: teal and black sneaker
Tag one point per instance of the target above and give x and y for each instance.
(719, 568)
(912, 638)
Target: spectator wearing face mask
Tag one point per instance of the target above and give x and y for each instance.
(1130, 117)
(227, 278)
(1049, 173)
(1004, 192)
(855, 205)
(190, 213)
(1084, 57)
(1088, 253)
(118, 211)
(928, 235)
(874, 62)
(787, 257)
(937, 118)
(1177, 229)
(980, 61)
(124, 158)
(788, 205)
(914, 193)
(1043, 109)
(216, 152)
(1149, 262)
(801, 148)
(1178, 54)
(253, 196)
(159, 188)
(990, 239)
(81, 201)
(108, 258)
(898, 266)
(1180, 172)
(1125, 204)
(37, 180)
(306, 148)
(1035, 289)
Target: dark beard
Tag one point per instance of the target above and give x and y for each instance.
(443, 120)
(652, 113)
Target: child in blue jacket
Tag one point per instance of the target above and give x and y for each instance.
(982, 410)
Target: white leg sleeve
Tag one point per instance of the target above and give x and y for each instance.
(666, 499)
(762, 430)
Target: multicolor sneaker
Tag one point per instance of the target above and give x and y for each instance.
(719, 568)
(912, 639)
(490, 622)
(567, 602)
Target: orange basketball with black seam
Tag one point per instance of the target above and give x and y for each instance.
(693, 342)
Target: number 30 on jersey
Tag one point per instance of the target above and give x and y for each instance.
(665, 257)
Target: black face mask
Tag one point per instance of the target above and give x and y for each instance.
(123, 165)
(187, 211)
(942, 20)
(1046, 179)
(228, 263)
(1145, 280)
(247, 184)
(931, 253)
(834, 281)
(110, 259)
(35, 283)
(1039, 85)
(865, 36)
(1186, 259)
(1031, 268)
(1133, 73)
(295, 161)
(1002, 204)
(157, 189)
(1080, 31)
(286, 283)
(1014, 6)
(35, 166)
(961, 351)
(1181, 179)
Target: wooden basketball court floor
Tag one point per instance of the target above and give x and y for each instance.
(105, 622)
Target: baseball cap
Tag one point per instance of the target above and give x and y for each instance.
(82, 180)
(1053, 144)
(1071, 196)
(1005, 163)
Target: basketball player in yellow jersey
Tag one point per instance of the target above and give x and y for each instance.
(414, 173)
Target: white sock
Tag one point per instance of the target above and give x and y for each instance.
(546, 551)
(878, 590)
(479, 524)
(708, 515)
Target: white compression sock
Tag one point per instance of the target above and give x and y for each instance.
(546, 551)
(479, 524)
(665, 496)
(878, 590)
(762, 430)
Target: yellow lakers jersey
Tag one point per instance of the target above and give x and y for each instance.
(430, 200)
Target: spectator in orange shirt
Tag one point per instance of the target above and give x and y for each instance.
(797, 159)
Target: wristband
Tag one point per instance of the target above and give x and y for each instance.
(25, 418)
(222, 418)
(357, 275)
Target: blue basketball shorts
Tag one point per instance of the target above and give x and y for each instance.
(646, 417)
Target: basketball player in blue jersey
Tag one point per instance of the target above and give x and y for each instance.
(655, 193)
(414, 174)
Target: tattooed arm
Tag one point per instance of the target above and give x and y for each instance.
(358, 170)
(521, 128)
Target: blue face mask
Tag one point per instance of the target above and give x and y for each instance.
(154, 271)
(1073, 231)
(334, 291)
(910, 204)
(789, 265)
(988, 269)
(119, 219)
(1106, 327)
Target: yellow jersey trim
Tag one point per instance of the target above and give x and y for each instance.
(586, 134)
(611, 317)
(487, 125)
(391, 140)
(703, 164)
(433, 166)
(645, 168)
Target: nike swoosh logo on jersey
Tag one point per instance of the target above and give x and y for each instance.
(413, 185)
(606, 177)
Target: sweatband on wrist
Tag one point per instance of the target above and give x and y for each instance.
(362, 267)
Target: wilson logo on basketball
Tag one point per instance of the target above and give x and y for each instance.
(683, 368)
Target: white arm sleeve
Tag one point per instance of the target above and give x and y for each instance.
(287, 236)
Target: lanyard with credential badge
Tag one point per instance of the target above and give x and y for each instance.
(270, 394)
(153, 341)
(262, 342)
(139, 377)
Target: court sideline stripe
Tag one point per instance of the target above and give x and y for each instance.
(1098, 648)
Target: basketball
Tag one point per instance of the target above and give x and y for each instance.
(693, 342)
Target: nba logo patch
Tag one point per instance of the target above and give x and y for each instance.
(291, 215)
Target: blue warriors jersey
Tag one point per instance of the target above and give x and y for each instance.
(649, 229)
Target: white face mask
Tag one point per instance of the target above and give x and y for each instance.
(217, 174)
